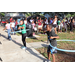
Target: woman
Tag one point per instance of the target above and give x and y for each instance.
(40, 25)
(12, 25)
(58, 25)
(22, 26)
(25, 21)
(55, 24)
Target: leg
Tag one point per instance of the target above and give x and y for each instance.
(48, 53)
(55, 30)
(23, 39)
(53, 57)
(9, 36)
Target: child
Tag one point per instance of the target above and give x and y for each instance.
(52, 39)
(12, 25)
(23, 28)
(8, 27)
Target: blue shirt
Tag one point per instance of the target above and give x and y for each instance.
(51, 21)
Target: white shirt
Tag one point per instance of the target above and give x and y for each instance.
(12, 24)
(31, 20)
(8, 26)
(25, 22)
(55, 22)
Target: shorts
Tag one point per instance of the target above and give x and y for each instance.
(52, 50)
(40, 26)
(54, 25)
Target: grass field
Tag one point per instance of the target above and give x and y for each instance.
(62, 56)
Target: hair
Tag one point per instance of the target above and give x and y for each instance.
(22, 20)
(50, 25)
(7, 21)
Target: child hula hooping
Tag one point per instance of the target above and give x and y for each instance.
(22, 26)
(52, 38)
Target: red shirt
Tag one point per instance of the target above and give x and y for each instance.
(16, 23)
(39, 22)
(11, 20)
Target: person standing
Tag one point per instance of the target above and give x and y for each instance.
(58, 25)
(8, 27)
(40, 25)
(71, 25)
(22, 26)
(11, 19)
(25, 21)
(12, 25)
(37, 23)
(55, 24)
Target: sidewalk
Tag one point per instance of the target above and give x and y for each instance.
(10, 51)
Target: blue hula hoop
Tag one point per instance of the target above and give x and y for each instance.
(19, 31)
(63, 49)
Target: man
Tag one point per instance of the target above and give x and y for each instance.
(37, 23)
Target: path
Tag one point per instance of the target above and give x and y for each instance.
(10, 51)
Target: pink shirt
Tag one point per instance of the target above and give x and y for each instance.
(33, 25)
(8, 26)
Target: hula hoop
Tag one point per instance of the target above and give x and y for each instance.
(19, 31)
(63, 49)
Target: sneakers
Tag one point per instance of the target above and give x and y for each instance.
(23, 47)
(47, 60)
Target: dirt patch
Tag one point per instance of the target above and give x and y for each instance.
(61, 56)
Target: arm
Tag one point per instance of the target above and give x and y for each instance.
(5, 28)
(54, 37)
(21, 28)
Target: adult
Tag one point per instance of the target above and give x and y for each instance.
(31, 20)
(71, 25)
(12, 25)
(51, 21)
(25, 21)
(11, 19)
(40, 25)
(37, 20)
(58, 25)
(16, 25)
(55, 24)
(37, 23)
(46, 21)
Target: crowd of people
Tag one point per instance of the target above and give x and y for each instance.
(59, 25)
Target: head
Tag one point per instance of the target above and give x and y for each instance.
(62, 21)
(21, 22)
(25, 18)
(55, 16)
(37, 17)
(49, 27)
(72, 20)
(7, 21)
(32, 21)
